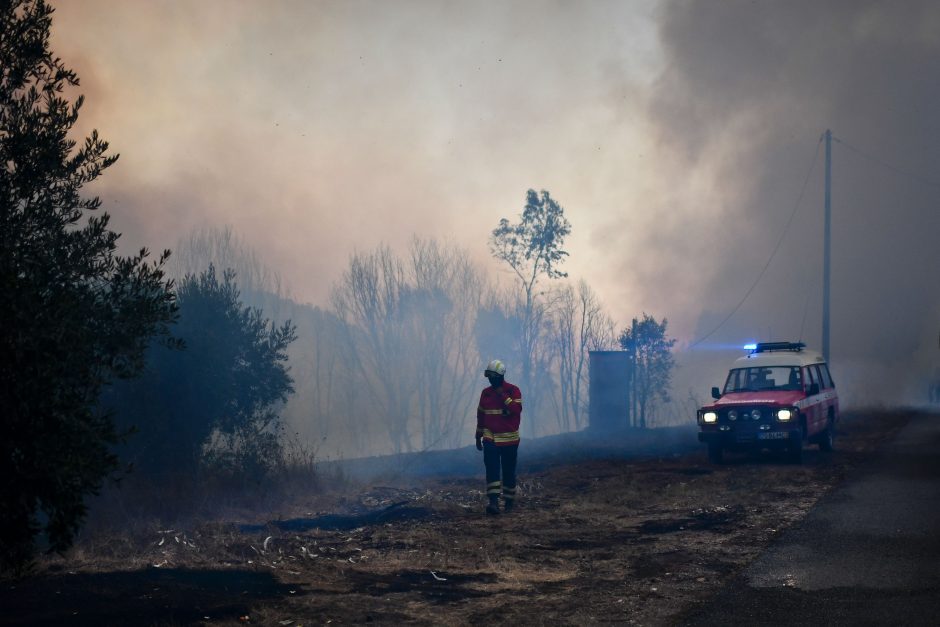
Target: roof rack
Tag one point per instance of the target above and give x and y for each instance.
(770, 347)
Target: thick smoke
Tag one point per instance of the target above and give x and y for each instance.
(320, 129)
(748, 88)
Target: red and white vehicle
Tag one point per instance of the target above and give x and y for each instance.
(780, 396)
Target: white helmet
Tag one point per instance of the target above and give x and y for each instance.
(495, 366)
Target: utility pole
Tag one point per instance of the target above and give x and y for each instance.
(826, 247)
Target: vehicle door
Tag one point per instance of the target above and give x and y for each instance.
(812, 408)
(830, 398)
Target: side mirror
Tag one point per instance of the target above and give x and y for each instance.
(716, 393)
(813, 390)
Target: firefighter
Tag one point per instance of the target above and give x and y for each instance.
(497, 436)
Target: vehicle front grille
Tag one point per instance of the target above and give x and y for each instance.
(745, 415)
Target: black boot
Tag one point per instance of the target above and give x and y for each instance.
(493, 507)
(508, 505)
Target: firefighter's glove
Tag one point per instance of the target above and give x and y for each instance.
(507, 402)
(479, 444)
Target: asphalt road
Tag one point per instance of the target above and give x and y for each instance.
(867, 554)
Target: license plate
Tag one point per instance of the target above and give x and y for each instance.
(773, 435)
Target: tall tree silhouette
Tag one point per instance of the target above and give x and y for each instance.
(74, 314)
(532, 248)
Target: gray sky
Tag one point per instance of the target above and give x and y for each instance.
(677, 135)
(315, 128)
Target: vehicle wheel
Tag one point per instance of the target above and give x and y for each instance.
(795, 448)
(827, 437)
(716, 454)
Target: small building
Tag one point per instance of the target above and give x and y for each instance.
(609, 377)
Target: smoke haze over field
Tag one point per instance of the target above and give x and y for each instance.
(677, 135)
(748, 87)
(320, 128)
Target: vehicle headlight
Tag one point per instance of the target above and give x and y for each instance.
(710, 417)
(784, 414)
(733, 414)
(755, 414)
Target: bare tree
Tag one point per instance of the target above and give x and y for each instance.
(451, 287)
(323, 410)
(580, 326)
(368, 299)
(408, 326)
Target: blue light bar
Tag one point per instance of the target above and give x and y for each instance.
(750, 347)
(769, 347)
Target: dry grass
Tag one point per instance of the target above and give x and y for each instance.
(624, 540)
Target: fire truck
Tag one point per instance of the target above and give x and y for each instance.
(780, 396)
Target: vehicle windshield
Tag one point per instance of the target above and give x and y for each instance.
(764, 378)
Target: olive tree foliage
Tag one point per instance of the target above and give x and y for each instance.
(653, 363)
(258, 284)
(408, 331)
(74, 314)
(579, 325)
(532, 248)
(215, 404)
(318, 409)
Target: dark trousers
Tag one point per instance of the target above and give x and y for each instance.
(497, 458)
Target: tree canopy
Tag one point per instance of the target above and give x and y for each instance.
(215, 402)
(74, 313)
(532, 248)
(653, 362)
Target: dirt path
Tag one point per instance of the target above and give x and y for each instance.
(618, 540)
(866, 554)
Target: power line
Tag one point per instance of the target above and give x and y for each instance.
(890, 166)
(772, 255)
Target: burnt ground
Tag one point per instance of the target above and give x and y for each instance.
(624, 539)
